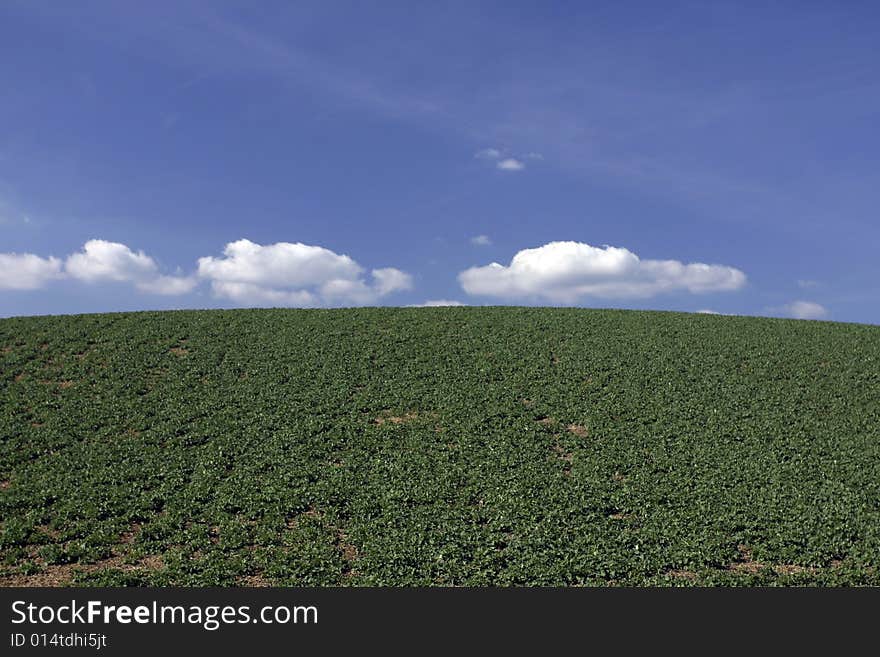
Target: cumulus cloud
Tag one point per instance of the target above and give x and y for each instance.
(26, 271)
(295, 274)
(282, 265)
(101, 261)
(481, 240)
(805, 310)
(281, 274)
(564, 272)
(97, 261)
(436, 303)
(511, 164)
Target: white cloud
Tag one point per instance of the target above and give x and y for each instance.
(707, 311)
(281, 274)
(100, 260)
(255, 295)
(511, 164)
(806, 284)
(805, 310)
(488, 154)
(534, 156)
(564, 272)
(168, 285)
(388, 280)
(341, 291)
(26, 271)
(436, 303)
(282, 265)
(295, 274)
(481, 240)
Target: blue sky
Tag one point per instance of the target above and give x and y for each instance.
(684, 156)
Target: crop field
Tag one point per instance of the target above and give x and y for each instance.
(438, 446)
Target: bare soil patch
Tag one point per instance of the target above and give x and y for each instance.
(409, 416)
(689, 575)
(746, 564)
(63, 574)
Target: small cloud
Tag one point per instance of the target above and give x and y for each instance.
(511, 164)
(488, 154)
(481, 240)
(805, 310)
(707, 311)
(436, 303)
(806, 284)
(506, 161)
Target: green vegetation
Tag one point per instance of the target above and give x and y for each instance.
(438, 446)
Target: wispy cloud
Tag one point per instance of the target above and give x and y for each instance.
(285, 59)
(805, 310)
(209, 42)
(481, 240)
(488, 154)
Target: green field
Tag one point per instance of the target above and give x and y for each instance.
(438, 446)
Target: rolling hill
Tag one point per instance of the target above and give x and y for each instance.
(438, 446)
